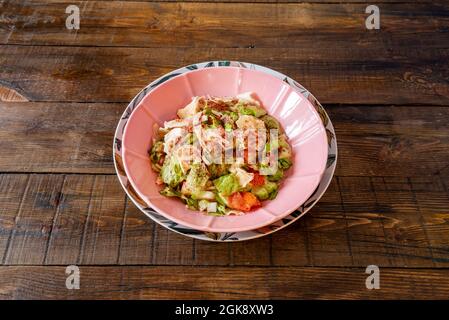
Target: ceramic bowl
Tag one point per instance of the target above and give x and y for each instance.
(296, 114)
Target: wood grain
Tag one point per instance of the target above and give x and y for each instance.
(10, 95)
(216, 24)
(77, 138)
(388, 141)
(33, 225)
(69, 224)
(361, 75)
(137, 237)
(62, 93)
(82, 219)
(12, 191)
(57, 137)
(103, 229)
(435, 216)
(221, 283)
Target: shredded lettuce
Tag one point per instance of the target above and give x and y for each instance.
(277, 176)
(250, 110)
(284, 164)
(157, 156)
(171, 172)
(227, 185)
(217, 170)
(196, 179)
(170, 192)
(271, 122)
(207, 186)
(267, 191)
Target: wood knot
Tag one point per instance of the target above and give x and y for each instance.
(11, 95)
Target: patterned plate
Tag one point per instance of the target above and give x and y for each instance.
(234, 236)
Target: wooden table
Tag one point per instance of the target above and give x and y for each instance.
(63, 91)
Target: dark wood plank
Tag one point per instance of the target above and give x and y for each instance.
(375, 140)
(433, 204)
(407, 236)
(319, 238)
(359, 221)
(211, 253)
(363, 75)
(129, 282)
(33, 224)
(170, 248)
(291, 246)
(390, 141)
(388, 217)
(275, 1)
(217, 24)
(12, 191)
(254, 252)
(137, 237)
(57, 137)
(326, 226)
(103, 230)
(69, 231)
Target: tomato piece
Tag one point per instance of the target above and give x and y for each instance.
(258, 179)
(244, 201)
(235, 201)
(251, 200)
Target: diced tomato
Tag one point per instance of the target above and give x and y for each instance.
(244, 201)
(251, 200)
(258, 179)
(235, 201)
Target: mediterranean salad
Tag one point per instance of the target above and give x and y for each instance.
(221, 155)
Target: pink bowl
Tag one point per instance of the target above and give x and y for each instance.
(301, 122)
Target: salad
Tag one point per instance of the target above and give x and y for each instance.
(221, 155)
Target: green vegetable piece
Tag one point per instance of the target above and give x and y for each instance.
(249, 109)
(203, 195)
(267, 191)
(234, 116)
(196, 179)
(271, 122)
(157, 156)
(277, 176)
(171, 172)
(202, 205)
(191, 203)
(221, 210)
(221, 199)
(285, 150)
(273, 194)
(272, 189)
(228, 126)
(260, 192)
(213, 121)
(169, 192)
(227, 185)
(217, 170)
(284, 164)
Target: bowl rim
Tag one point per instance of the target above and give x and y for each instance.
(208, 228)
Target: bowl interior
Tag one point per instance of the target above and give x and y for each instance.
(298, 117)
